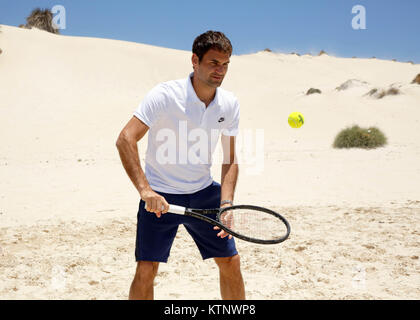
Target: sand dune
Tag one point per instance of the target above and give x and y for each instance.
(68, 210)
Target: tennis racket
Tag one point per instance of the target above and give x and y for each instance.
(250, 223)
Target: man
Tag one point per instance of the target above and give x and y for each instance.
(178, 114)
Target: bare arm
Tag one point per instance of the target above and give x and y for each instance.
(127, 148)
(230, 171)
(230, 168)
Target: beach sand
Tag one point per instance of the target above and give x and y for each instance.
(68, 209)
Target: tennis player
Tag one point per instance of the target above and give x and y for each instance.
(185, 119)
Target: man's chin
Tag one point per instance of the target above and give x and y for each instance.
(215, 83)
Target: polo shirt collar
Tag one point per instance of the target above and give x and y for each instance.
(192, 95)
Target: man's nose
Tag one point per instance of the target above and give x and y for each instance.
(220, 69)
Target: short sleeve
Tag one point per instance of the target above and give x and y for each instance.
(152, 106)
(233, 125)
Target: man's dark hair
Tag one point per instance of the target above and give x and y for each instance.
(211, 40)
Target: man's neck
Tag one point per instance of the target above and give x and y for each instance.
(204, 92)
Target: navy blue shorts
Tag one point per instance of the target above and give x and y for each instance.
(156, 235)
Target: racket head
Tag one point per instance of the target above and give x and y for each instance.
(254, 224)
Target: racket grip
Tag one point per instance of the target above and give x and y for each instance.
(176, 209)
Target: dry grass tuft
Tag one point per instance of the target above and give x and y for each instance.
(312, 91)
(41, 19)
(381, 93)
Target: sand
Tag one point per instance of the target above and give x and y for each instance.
(68, 210)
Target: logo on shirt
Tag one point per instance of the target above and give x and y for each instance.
(221, 119)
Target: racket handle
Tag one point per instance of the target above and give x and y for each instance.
(176, 209)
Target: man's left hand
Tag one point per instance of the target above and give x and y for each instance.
(222, 233)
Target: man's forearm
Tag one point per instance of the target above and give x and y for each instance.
(130, 159)
(228, 182)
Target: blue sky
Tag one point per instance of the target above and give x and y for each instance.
(282, 25)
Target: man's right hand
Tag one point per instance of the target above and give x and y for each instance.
(154, 202)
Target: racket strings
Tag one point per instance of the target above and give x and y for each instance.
(254, 223)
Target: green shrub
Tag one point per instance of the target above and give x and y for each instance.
(356, 137)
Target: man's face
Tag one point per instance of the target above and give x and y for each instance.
(212, 68)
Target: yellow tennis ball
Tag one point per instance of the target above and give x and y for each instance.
(296, 119)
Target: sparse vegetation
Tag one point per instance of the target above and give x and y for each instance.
(312, 91)
(416, 79)
(41, 19)
(379, 94)
(392, 92)
(267, 50)
(372, 92)
(356, 137)
(321, 53)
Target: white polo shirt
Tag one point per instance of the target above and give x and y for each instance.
(183, 134)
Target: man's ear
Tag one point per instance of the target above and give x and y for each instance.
(195, 61)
